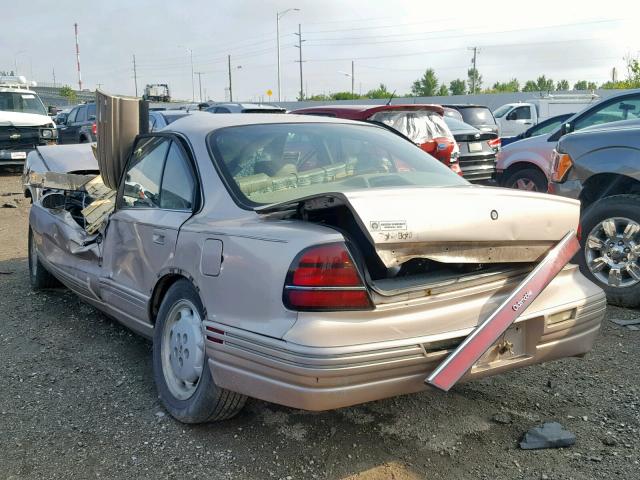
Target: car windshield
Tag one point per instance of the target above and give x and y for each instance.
(23, 102)
(274, 163)
(501, 111)
(477, 116)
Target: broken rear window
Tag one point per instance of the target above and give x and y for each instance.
(274, 163)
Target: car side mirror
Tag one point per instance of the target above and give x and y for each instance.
(511, 115)
(566, 128)
(51, 110)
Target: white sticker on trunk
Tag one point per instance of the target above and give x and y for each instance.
(388, 225)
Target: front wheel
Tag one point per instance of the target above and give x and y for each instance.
(610, 253)
(39, 276)
(530, 179)
(180, 366)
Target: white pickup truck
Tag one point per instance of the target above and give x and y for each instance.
(24, 122)
(515, 118)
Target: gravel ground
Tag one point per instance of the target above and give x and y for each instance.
(78, 401)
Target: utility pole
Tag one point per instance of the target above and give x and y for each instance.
(230, 88)
(200, 83)
(475, 70)
(135, 74)
(279, 15)
(193, 84)
(299, 46)
(353, 81)
(75, 26)
(54, 76)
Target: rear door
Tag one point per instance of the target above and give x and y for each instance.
(156, 196)
(65, 132)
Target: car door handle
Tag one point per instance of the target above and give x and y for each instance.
(158, 238)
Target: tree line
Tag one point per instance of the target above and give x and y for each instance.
(428, 85)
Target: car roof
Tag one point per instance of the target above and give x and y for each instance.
(245, 105)
(373, 108)
(203, 122)
(464, 105)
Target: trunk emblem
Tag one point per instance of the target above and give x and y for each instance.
(494, 214)
(14, 136)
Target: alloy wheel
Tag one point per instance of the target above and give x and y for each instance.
(612, 252)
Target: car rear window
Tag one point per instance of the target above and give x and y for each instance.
(272, 163)
(419, 126)
(477, 116)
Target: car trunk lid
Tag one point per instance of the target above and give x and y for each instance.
(451, 224)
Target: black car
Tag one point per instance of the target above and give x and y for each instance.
(547, 126)
(477, 116)
(79, 126)
(477, 151)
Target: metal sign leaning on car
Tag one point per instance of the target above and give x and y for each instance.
(486, 334)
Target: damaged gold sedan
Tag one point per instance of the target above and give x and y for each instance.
(311, 262)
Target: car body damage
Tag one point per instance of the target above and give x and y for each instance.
(322, 301)
(452, 224)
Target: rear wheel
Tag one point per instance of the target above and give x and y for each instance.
(180, 367)
(527, 179)
(610, 253)
(39, 277)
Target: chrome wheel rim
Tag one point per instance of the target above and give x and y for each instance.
(182, 350)
(33, 256)
(526, 184)
(612, 250)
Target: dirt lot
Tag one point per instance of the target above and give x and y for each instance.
(77, 401)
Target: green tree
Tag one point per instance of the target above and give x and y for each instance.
(344, 96)
(380, 92)
(511, 86)
(633, 76)
(530, 86)
(443, 91)
(562, 85)
(474, 80)
(68, 93)
(319, 97)
(457, 87)
(427, 85)
(544, 84)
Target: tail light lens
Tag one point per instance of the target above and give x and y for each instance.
(325, 278)
(496, 143)
(562, 162)
(94, 129)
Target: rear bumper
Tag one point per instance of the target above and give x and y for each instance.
(322, 378)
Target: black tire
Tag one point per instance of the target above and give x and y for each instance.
(208, 403)
(529, 176)
(83, 139)
(39, 277)
(627, 206)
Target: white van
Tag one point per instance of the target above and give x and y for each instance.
(24, 121)
(515, 118)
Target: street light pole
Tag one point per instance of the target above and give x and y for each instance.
(230, 88)
(193, 85)
(353, 80)
(200, 83)
(279, 15)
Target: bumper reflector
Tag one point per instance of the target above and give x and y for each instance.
(486, 334)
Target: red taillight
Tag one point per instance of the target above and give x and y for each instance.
(496, 143)
(325, 278)
(94, 129)
(455, 167)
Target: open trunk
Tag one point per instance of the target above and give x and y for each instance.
(408, 238)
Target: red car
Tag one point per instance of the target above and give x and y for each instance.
(423, 124)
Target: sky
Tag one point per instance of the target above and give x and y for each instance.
(389, 41)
